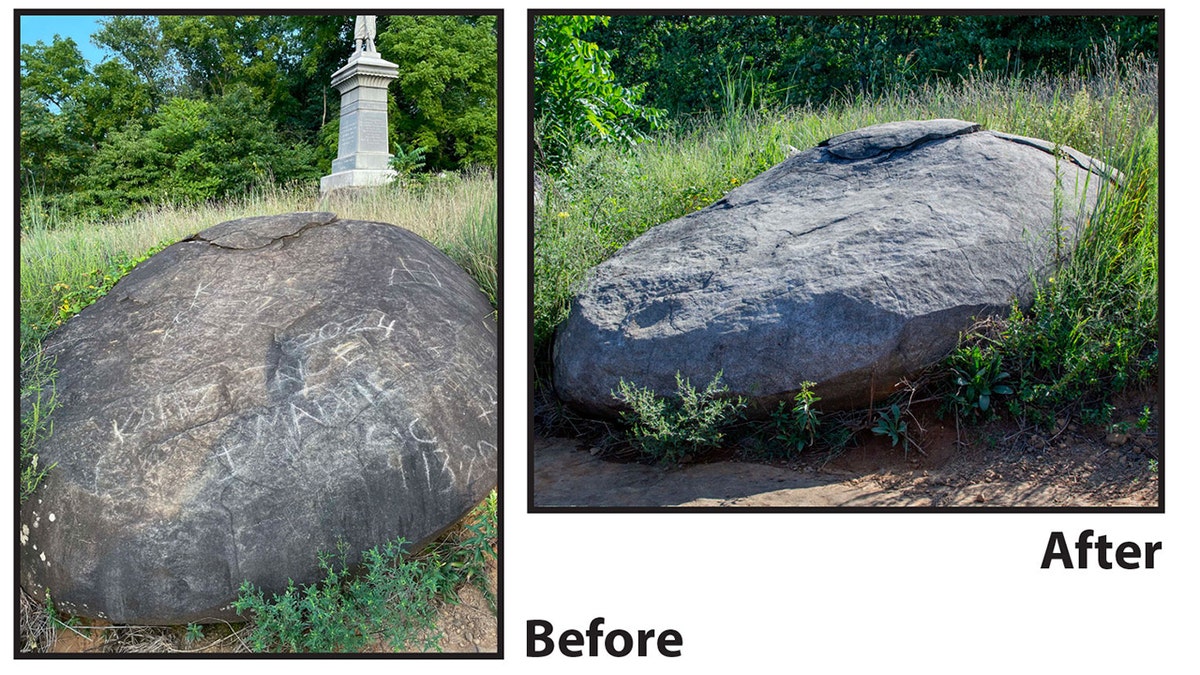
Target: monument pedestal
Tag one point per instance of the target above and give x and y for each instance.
(363, 151)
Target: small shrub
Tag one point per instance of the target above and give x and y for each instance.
(1143, 422)
(390, 598)
(1099, 416)
(667, 429)
(796, 427)
(407, 164)
(342, 613)
(976, 376)
(891, 424)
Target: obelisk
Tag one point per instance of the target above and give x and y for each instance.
(363, 149)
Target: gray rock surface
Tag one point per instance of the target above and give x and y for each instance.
(247, 398)
(852, 264)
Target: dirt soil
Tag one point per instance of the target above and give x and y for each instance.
(997, 464)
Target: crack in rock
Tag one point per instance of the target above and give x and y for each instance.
(878, 139)
(260, 231)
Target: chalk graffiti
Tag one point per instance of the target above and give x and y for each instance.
(413, 272)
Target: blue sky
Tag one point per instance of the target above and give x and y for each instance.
(78, 28)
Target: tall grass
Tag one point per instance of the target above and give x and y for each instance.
(606, 198)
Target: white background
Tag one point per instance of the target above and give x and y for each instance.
(834, 593)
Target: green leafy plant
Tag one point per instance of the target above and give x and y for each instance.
(977, 377)
(1143, 421)
(1100, 415)
(891, 423)
(667, 429)
(391, 600)
(387, 597)
(194, 632)
(577, 99)
(476, 548)
(407, 164)
(796, 426)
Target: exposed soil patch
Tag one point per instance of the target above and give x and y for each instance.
(991, 465)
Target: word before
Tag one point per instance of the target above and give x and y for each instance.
(1128, 554)
(617, 643)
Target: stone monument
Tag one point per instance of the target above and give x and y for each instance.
(363, 150)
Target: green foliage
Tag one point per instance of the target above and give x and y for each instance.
(193, 632)
(667, 429)
(64, 300)
(822, 58)
(1093, 327)
(390, 598)
(469, 555)
(577, 99)
(406, 164)
(1098, 416)
(343, 613)
(796, 427)
(193, 150)
(976, 376)
(447, 93)
(891, 423)
(195, 107)
(1143, 421)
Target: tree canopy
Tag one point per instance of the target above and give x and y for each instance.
(194, 107)
(684, 62)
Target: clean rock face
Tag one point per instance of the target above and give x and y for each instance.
(250, 397)
(853, 264)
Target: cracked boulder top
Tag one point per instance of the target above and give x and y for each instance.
(853, 264)
(890, 137)
(250, 397)
(875, 140)
(258, 231)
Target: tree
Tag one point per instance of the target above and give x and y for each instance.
(192, 150)
(447, 93)
(577, 98)
(687, 60)
(55, 136)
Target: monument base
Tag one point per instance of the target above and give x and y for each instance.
(356, 178)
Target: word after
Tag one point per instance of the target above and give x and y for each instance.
(1128, 555)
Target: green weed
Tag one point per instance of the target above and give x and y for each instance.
(1143, 421)
(389, 598)
(891, 423)
(976, 377)
(796, 426)
(667, 429)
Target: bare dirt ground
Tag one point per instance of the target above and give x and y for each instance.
(997, 464)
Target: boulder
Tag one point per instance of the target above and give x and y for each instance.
(250, 397)
(853, 264)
